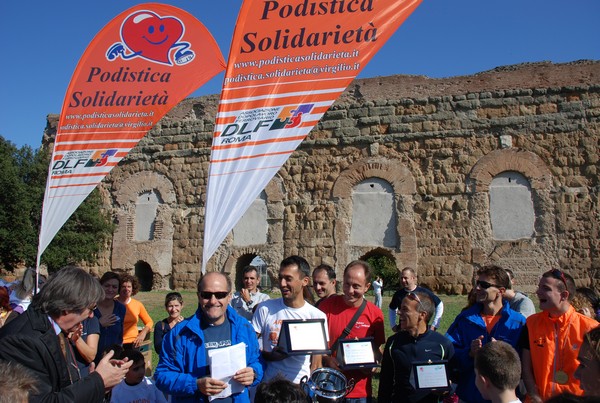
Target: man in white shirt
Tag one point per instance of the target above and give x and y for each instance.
(377, 290)
(245, 301)
(294, 277)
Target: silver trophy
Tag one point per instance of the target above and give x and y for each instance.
(326, 385)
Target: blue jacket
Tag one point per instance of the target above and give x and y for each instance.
(184, 358)
(468, 326)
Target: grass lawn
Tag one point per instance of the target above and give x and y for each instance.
(154, 303)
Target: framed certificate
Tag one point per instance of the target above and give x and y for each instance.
(303, 336)
(431, 375)
(356, 353)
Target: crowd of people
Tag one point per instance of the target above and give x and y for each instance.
(76, 338)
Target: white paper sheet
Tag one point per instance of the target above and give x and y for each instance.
(224, 363)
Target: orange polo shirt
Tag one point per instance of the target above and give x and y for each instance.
(135, 311)
(554, 345)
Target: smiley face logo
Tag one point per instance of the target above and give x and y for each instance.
(146, 34)
(151, 36)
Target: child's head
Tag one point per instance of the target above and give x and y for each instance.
(497, 368)
(278, 390)
(16, 382)
(137, 371)
(116, 348)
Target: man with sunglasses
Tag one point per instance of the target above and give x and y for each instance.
(551, 339)
(183, 371)
(489, 319)
(414, 342)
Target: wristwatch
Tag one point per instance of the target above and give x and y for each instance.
(248, 303)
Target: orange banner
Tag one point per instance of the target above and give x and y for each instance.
(138, 67)
(289, 61)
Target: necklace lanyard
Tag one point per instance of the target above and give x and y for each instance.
(560, 376)
(69, 354)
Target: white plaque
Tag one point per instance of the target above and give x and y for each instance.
(303, 336)
(431, 375)
(356, 353)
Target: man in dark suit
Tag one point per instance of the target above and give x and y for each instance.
(38, 340)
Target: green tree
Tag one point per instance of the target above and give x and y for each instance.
(22, 185)
(17, 233)
(385, 267)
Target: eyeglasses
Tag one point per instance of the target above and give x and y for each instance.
(559, 275)
(485, 285)
(208, 295)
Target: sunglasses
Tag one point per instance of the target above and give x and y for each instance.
(485, 285)
(414, 297)
(559, 275)
(208, 295)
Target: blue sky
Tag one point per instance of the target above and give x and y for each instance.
(43, 41)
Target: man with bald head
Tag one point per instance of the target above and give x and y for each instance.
(183, 370)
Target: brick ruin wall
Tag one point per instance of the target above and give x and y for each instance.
(438, 142)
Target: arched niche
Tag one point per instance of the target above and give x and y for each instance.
(143, 272)
(241, 257)
(512, 213)
(525, 162)
(527, 255)
(402, 183)
(374, 217)
(146, 208)
(150, 197)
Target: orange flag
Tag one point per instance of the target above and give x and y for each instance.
(138, 67)
(289, 61)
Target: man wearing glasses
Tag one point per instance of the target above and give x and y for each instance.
(552, 338)
(413, 343)
(183, 370)
(489, 319)
(37, 339)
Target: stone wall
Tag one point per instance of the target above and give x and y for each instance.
(437, 142)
